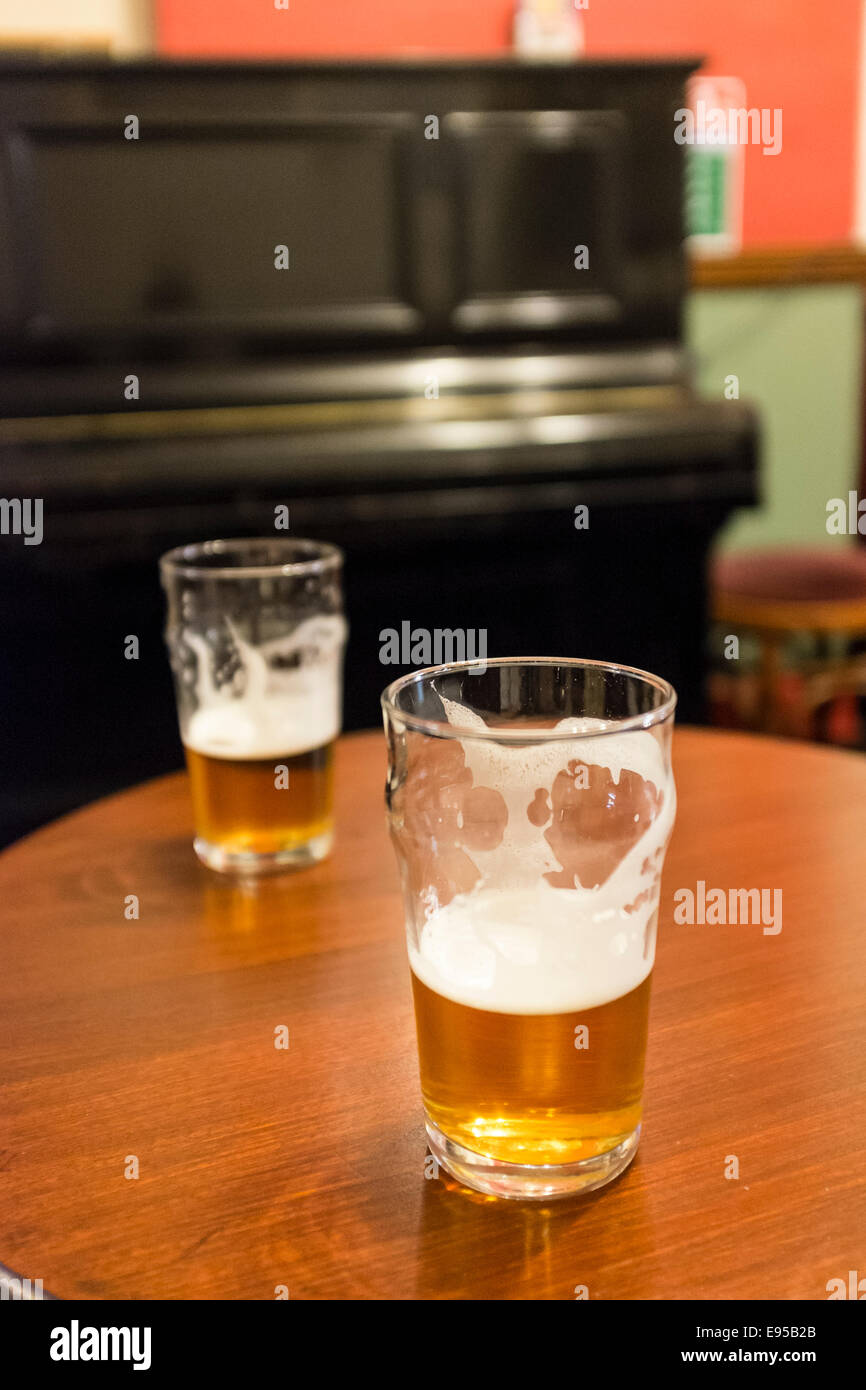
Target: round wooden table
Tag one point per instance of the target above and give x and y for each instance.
(147, 1046)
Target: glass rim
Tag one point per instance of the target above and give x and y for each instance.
(442, 728)
(183, 559)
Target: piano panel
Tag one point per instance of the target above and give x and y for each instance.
(534, 186)
(177, 231)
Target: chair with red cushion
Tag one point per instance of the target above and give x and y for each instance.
(777, 596)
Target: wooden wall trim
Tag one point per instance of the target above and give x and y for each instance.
(777, 266)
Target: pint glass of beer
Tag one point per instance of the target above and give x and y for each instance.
(530, 805)
(255, 633)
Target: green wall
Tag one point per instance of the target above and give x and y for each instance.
(797, 353)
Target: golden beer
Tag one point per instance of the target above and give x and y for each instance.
(516, 1088)
(263, 806)
(530, 805)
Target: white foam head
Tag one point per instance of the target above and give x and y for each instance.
(268, 711)
(516, 943)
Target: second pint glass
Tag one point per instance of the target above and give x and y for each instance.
(255, 632)
(530, 805)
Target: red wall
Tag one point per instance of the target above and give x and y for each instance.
(335, 27)
(788, 52)
(799, 55)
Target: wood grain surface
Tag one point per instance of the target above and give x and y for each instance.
(305, 1167)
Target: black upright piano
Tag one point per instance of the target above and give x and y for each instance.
(435, 309)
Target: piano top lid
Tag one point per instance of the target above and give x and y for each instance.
(76, 65)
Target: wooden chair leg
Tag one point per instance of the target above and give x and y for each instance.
(771, 664)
